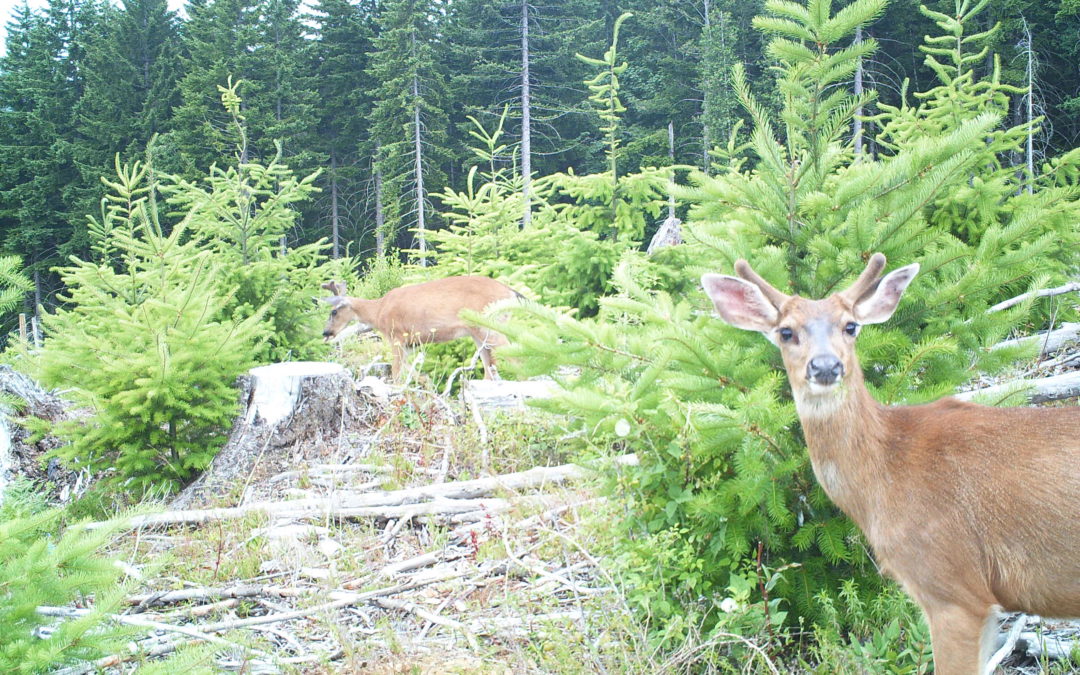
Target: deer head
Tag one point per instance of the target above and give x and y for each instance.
(816, 337)
(341, 311)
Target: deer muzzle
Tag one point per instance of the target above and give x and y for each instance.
(825, 370)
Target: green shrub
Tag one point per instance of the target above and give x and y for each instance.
(144, 343)
(42, 564)
(723, 468)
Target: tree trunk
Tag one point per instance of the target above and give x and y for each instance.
(419, 170)
(380, 217)
(1030, 147)
(671, 181)
(526, 120)
(335, 231)
(706, 130)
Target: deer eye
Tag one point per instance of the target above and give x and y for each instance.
(333, 312)
(786, 334)
(851, 328)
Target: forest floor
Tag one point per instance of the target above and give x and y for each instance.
(509, 584)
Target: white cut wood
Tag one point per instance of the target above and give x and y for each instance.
(275, 388)
(1054, 388)
(505, 394)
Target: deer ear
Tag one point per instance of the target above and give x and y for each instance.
(878, 306)
(740, 303)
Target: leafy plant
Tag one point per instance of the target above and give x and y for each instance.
(886, 634)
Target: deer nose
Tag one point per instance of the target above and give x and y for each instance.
(825, 369)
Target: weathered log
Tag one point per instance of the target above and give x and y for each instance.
(505, 394)
(1055, 388)
(1049, 342)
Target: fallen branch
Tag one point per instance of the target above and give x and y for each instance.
(187, 594)
(1046, 292)
(431, 617)
(341, 600)
(1008, 647)
(68, 612)
(377, 503)
(424, 560)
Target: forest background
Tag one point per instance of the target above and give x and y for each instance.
(379, 95)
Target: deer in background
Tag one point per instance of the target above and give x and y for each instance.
(971, 508)
(422, 313)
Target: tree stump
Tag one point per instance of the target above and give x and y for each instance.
(288, 409)
(20, 457)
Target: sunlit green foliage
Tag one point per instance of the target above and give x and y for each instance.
(723, 471)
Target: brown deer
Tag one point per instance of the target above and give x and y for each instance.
(421, 314)
(971, 508)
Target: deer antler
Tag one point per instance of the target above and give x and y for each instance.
(335, 287)
(743, 269)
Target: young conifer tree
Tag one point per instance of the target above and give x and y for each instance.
(41, 565)
(724, 496)
(145, 344)
(244, 214)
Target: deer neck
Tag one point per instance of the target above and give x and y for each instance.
(845, 434)
(366, 310)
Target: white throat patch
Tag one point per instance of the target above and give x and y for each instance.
(820, 401)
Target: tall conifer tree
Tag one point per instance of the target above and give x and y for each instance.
(344, 32)
(408, 120)
(260, 44)
(131, 73)
(41, 80)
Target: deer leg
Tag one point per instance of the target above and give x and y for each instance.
(486, 340)
(490, 373)
(960, 638)
(400, 353)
